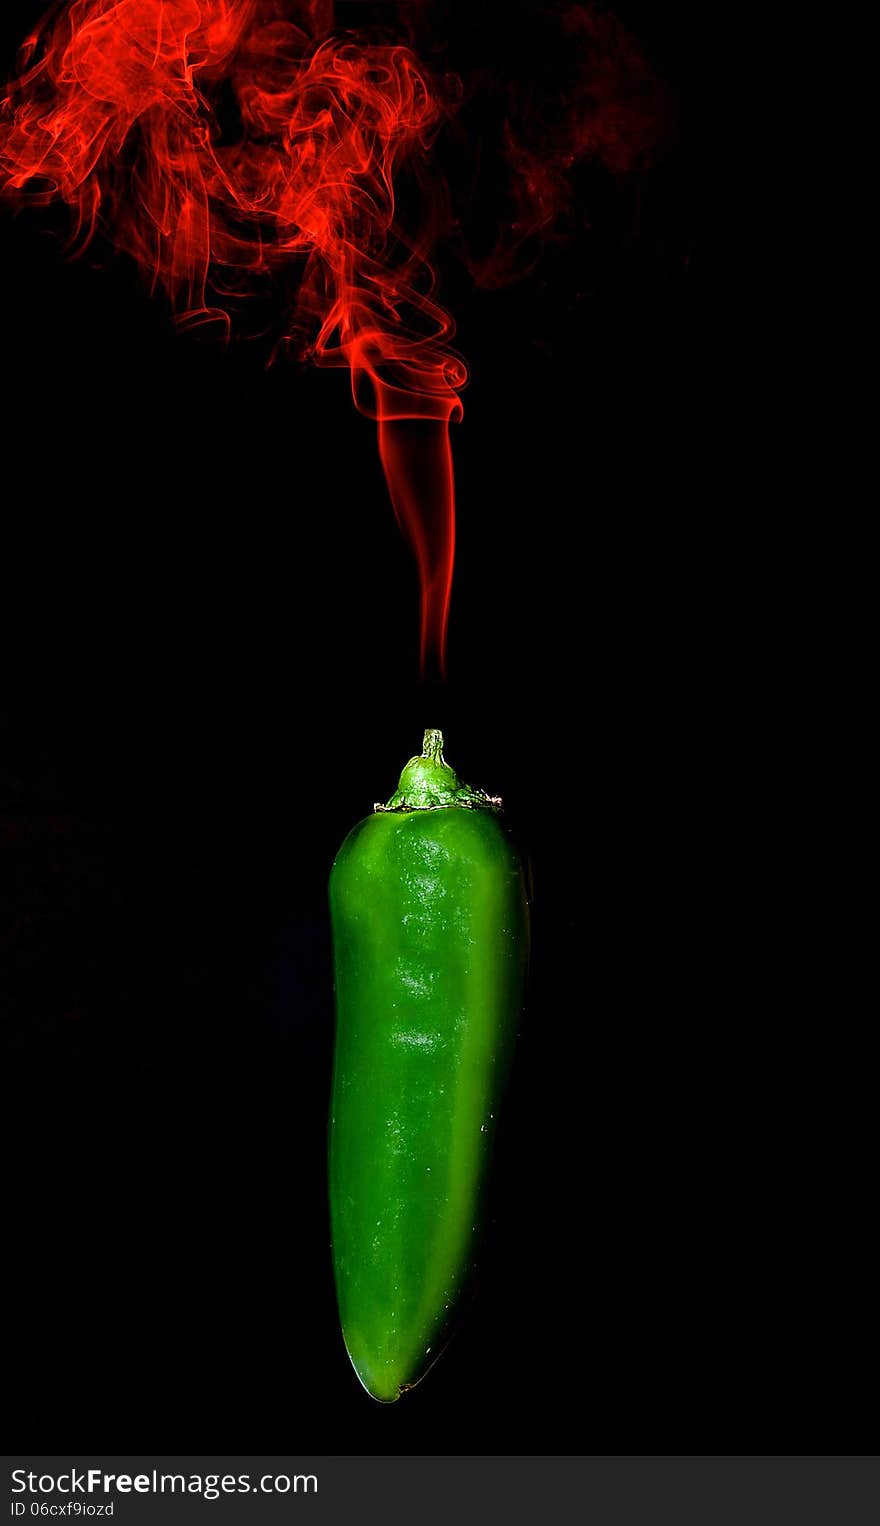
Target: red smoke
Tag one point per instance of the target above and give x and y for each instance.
(223, 142)
(579, 92)
(116, 113)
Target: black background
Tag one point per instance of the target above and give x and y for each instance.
(210, 674)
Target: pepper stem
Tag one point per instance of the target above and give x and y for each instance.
(432, 746)
(429, 784)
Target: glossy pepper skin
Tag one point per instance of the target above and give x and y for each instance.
(430, 940)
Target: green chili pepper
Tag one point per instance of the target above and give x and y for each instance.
(430, 939)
